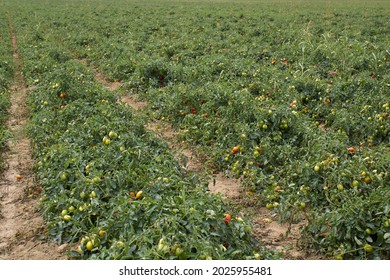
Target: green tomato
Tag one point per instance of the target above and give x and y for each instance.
(368, 231)
(92, 194)
(112, 135)
(179, 252)
(63, 176)
(67, 218)
(368, 248)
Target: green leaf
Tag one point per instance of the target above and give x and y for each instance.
(358, 242)
(369, 239)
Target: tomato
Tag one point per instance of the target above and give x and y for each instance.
(367, 179)
(106, 140)
(18, 177)
(92, 194)
(269, 206)
(67, 218)
(302, 205)
(102, 232)
(96, 180)
(63, 176)
(82, 195)
(278, 188)
(89, 245)
(227, 218)
(235, 150)
(64, 212)
(112, 135)
(355, 183)
(317, 168)
(138, 195)
(179, 252)
(368, 248)
(340, 187)
(71, 209)
(351, 150)
(339, 257)
(368, 231)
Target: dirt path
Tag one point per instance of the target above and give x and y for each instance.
(266, 228)
(20, 222)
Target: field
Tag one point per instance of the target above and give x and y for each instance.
(291, 99)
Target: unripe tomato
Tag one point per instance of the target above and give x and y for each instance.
(67, 218)
(368, 248)
(89, 245)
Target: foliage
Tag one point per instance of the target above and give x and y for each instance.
(300, 88)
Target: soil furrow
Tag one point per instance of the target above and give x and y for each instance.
(20, 221)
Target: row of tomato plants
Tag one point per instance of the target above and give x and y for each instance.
(108, 185)
(301, 116)
(6, 75)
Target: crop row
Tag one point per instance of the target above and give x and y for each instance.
(300, 114)
(108, 185)
(6, 74)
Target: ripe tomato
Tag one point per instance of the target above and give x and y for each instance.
(227, 218)
(351, 150)
(235, 150)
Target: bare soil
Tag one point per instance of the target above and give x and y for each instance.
(21, 224)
